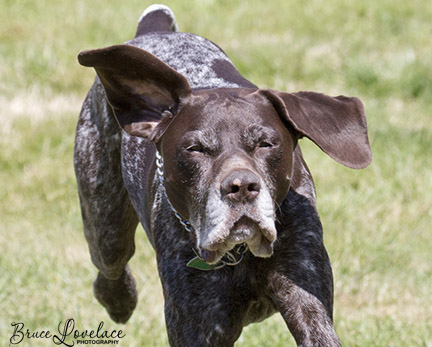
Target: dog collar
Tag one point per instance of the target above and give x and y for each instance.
(230, 258)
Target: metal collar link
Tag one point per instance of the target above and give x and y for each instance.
(231, 258)
(160, 175)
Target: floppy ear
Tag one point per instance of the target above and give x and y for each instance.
(139, 87)
(336, 124)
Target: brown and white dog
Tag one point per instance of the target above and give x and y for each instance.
(172, 136)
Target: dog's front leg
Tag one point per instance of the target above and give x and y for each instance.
(108, 215)
(305, 315)
(301, 282)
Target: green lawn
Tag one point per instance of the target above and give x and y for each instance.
(377, 221)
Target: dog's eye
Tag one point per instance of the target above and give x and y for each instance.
(195, 148)
(265, 144)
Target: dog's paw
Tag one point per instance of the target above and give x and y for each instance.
(119, 296)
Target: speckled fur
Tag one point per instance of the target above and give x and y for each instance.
(193, 56)
(118, 188)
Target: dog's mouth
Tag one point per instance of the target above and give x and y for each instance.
(223, 227)
(258, 237)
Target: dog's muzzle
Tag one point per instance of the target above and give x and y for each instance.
(240, 211)
(230, 258)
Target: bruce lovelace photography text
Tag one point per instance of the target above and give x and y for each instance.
(67, 334)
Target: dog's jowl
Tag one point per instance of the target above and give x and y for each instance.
(172, 136)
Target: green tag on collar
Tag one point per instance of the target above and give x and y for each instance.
(198, 263)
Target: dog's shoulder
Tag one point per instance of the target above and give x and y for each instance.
(301, 181)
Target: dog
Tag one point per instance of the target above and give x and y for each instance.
(172, 136)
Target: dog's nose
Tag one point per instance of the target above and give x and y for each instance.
(240, 185)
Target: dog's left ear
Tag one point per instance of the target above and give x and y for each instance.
(336, 124)
(144, 92)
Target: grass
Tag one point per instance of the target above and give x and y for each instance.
(377, 221)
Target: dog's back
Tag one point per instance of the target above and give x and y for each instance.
(202, 62)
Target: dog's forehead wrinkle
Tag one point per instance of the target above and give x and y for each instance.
(206, 137)
(218, 130)
(255, 132)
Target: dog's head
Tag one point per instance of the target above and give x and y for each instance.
(228, 153)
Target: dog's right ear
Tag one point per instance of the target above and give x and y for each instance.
(139, 87)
